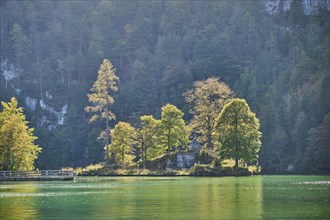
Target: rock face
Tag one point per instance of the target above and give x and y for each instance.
(310, 7)
(49, 116)
(185, 160)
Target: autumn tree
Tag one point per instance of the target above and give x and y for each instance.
(206, 100)
(102, 98)
(123, 138)
(146, 138)
(173, 131)
(237, 132)
(17, 148)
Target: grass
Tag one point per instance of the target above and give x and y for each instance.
(103, 169)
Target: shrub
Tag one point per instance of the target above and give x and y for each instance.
(240, 172)
(202, 170)
(209, 170)
(205, 157)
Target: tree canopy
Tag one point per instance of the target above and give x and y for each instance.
(123, 138)
(102, 98)
(237, 132)
(147, 138)
(206, 100)
(274, 54)
(17, 148)
(174, 132)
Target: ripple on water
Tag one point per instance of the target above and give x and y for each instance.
(315, 183)
(52, 194)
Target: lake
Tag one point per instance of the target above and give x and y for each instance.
(256, 197)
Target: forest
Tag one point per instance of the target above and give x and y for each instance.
(274, 54)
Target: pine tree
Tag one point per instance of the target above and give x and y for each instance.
(20, 43)
(318, 151)
(101, 98)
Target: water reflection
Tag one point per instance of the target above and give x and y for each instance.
(230, 198)
(17, 201)
(196, 198)
(165, 198)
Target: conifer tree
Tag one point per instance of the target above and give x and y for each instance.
(17, 148)
(20, 42)
(102, 98)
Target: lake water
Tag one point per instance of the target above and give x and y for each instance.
(257, 197)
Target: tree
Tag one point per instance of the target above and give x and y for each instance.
(207, 99)
(237, 132)
(318, 152)
(17, 148)
(146, 137)
(102, 99)
(123, 138)
(20, 42)
(173, 131)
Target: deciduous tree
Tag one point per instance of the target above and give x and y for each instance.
(206, 100)
(123, 138)
(237, 132)
(173, 131)
(146, 137)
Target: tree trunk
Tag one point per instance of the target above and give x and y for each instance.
(236, 162)
(209, 134)
(169, 141)
(107, 135)
(40, 80)
(143, 156)
(209, 140)
(236, 142)
(123, 155)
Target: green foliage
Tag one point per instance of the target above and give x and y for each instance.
(17, 148)
(277, 60)
(318, 152)
(205, 157)
(101, 95)
(153, 138)
(209, 170)
(237, 132)
(207, 99)
(173, 131)
(147, 137)
(123, 138)
(20, 43)
(102, 99)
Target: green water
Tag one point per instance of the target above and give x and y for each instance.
(258, 197)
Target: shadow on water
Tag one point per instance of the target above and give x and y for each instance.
(17, 201)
